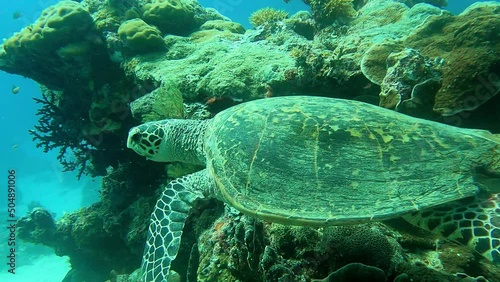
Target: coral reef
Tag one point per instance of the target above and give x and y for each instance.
(469, 44)
(267, 15)
(229, 246)
(216, 67)
(469, 66)
(218, 29)
(239, 247)
(196, 63)
(230, 249)
(83, 91)
(106, 236)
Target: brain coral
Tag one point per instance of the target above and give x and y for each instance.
(58, 25)
(139, 37)
(172, 16)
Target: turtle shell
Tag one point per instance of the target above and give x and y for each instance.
(323, 161)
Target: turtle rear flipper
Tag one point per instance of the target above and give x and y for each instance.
(167, 223)
(474, 222)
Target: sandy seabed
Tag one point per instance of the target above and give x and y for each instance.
(49, 268)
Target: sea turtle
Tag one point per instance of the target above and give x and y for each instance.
(322, 161)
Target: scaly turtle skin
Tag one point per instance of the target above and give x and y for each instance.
(320, 161)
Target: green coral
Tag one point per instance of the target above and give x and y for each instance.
(171, 16)
(267, 15)
(139, 37)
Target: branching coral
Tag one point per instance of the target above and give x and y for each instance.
(57, 130)
(267, 15)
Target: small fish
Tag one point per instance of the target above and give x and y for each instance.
(14, 147)
(15, 89)
(17, 15)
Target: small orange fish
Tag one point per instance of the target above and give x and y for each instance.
(15, 89)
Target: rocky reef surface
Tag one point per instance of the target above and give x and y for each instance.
(106, 65)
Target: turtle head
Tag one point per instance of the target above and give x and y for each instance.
(147, 140)
(169, 140)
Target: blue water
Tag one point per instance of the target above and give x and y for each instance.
(39, 174)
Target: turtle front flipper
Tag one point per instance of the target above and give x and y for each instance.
(474, 222)
(167, 223)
